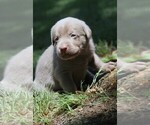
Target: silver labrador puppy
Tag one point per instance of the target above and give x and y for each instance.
(64, 64)
(18, 73)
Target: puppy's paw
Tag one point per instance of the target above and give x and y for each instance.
(108, 67)
(133, 67)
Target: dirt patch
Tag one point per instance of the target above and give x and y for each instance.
(91, 113)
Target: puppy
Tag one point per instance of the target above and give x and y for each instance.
(64, 64)
(18, 73)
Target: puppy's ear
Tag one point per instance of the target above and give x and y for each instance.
(52, 35)
(87, 30)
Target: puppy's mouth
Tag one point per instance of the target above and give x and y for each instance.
(68, 56)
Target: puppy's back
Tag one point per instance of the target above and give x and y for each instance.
(44, 68)
(19, 70)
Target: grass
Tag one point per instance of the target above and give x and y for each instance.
(40, 107)
(47, 105)
(130, 52)
(127, 48)
(135, 57)
(16, 107)
(103, 49)
(22, 107)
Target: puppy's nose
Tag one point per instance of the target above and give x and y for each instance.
(63, 49)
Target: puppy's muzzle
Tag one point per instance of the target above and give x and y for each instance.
(63, 50)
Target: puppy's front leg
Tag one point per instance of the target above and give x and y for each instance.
(98, 64)
(67, 83)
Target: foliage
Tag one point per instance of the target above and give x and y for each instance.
(128, 52)
(126, 48)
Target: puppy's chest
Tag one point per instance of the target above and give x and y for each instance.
(77, 70)
(76, 63)
(73, 67)
(78, 73)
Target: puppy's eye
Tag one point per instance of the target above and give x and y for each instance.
(56, 38)
(73, 35)
(54, 43)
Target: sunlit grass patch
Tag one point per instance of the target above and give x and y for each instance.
(47, 105)
(16, 107)
(105, 51)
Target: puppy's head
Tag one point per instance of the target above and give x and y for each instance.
(70, 37)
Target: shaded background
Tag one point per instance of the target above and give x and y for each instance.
(16, 21)
(133, 20)
(133, 26)
(100, 15)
